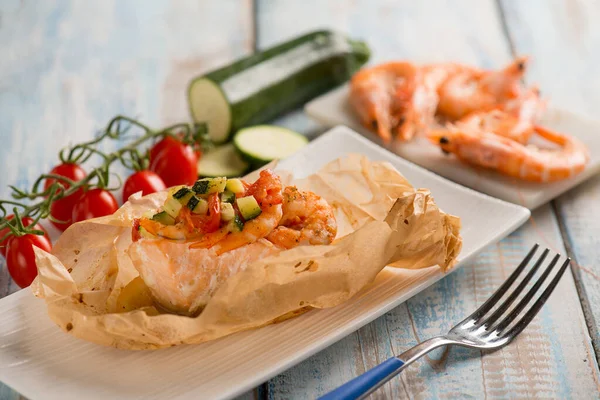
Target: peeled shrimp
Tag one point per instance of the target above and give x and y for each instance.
(307, 219)
(514, 159)
(393, 99)
(469, 90)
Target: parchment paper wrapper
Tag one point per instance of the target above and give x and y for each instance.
(382, 221)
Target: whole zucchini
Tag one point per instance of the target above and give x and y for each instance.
(260, 87)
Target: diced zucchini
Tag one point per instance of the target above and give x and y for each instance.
(172, 206)
(183, 195)
(235, 186)
(197, 205)
(227, 212)
(163, 218)
(227, 197)
(248, 207)
(145, 234)
(236, 224)
(210, 185)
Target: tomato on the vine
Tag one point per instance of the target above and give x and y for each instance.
(170, 140)
(94, 203)
(175, 163)
(20, 258)
(62, 209)
(145, 181)
(162, 144)
(26, 222)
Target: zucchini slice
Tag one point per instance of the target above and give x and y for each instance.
(236, 224)
(163, 218)
(227, 212)
(262, 144)
(172, 206)
(222, 161)
(268, 83)
(183, 195)
(248, 207)
(210, 185)
(235, 186)
(198, 205)
(227, 197)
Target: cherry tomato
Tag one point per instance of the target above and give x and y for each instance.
(20, 258)
(210, 222)
(135, 230)
(145, 181)
(62, 209)
(176, 164)
(93, 204)
(26, 222)
(167, 141)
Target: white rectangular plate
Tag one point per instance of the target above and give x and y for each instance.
(41, 362)
(333, 108)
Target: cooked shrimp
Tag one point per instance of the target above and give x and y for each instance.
(307, 219)
(499, 122)
(392, 99)
(514, 159)
(469, 90)
(259, 227)
(267, 191)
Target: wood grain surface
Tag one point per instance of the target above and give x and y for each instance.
(70, 66)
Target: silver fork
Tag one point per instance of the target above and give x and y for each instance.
(479, 330)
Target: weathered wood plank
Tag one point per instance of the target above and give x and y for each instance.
(563, 39)
(531, 367)
(70, 66)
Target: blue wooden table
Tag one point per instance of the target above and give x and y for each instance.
(69, 66)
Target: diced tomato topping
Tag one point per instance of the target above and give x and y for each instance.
(267, 189)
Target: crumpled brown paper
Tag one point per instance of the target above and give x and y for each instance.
(382, 221)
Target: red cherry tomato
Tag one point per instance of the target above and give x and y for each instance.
(167, 141)
(212, 220)
(62, 209)
(176, 164)
(145, 181)
(20, 258)
(93, 204)
(26, 222)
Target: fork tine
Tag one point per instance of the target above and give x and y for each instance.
(506, 304)
(489, 303)
(537, 306)
(526, 299)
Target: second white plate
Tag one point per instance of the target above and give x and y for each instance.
(333, 109)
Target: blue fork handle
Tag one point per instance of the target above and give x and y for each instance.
(366, 382)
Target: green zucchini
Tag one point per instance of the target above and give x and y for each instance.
(260, 87)
(222, 161)
(183, 195)
(227, 212)
(236, 224)
(163, 218)
(210, 185)
(227, 197)
(248, 207)
(172, 206)
(197, 205)
(264, 143)
(235, 186)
